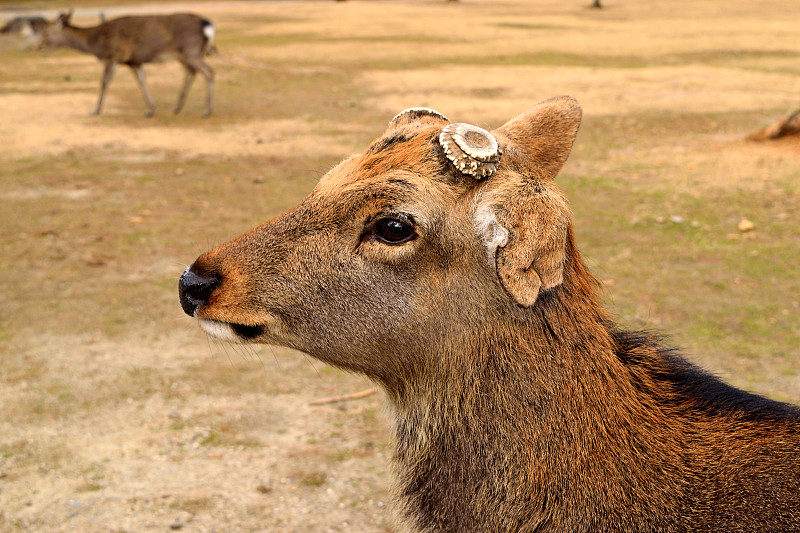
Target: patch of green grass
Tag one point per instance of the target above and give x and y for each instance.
(529, 27)
(731, 57)
(225, 435)
(54, 397)
(22, 454)
(15, 370)
(236, 374)
(272, 39)
(89, 487)
(289, 92)
(339, 455)
(313, 479)
(555, 58)
(192, 505)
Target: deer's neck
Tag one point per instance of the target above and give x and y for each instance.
(81, 39)
(533, 411)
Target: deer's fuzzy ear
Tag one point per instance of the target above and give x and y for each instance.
(522, 217)
(525, 230)
(540, 139)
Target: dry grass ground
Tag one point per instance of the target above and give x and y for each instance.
(117, 413)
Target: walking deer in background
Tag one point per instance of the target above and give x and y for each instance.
(441, 263)
(134, 41)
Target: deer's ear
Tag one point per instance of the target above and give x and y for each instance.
(521, 215)
(525, 230)
(540, 139)
(63, 19)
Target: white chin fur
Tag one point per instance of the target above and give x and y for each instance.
(219, 330)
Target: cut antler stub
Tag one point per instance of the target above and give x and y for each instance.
(473, 150)
(414, 113)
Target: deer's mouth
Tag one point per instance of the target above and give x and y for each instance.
(229, 331)
(247, 332)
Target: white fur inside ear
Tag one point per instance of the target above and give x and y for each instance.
(489, 229)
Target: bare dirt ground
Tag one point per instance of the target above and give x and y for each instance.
(117, 414)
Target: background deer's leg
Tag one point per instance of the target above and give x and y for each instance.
(209, 75)
(196, 64)
(187, 83)
(108, 73)
(142, 79)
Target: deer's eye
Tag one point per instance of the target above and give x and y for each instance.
(394, 231)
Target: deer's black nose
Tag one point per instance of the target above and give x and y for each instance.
(195, 289)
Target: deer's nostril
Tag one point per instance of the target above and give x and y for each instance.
(195, 289)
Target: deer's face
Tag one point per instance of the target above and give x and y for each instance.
(399, 248)
(52, 35)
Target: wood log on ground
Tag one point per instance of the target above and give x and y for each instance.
(788, 125)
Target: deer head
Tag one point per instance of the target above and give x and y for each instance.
(436, 228)
(53, 32)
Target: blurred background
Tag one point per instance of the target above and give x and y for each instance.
(118, 414)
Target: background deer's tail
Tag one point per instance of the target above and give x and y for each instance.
(210, 31)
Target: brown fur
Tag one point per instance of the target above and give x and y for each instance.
(518, 405)
(134, 41)
(25, 25)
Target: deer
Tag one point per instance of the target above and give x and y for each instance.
(442, 264)
(136, 40)
(24, 26)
